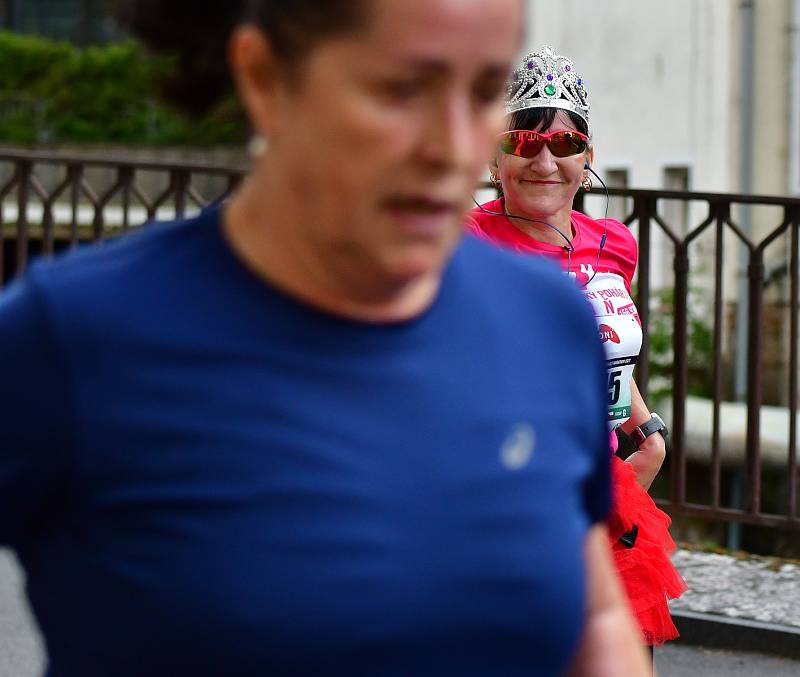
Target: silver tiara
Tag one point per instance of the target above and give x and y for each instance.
(547, 80)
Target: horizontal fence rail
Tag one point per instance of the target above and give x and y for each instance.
(52, 202)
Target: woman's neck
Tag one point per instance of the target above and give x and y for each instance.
(549, 228)
(285, 257)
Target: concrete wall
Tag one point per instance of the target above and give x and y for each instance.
(771, 97)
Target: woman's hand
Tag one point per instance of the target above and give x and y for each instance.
(648, 459)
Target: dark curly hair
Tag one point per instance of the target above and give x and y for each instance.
(197, 35)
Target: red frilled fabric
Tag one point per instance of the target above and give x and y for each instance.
(648, 575)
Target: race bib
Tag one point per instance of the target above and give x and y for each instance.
(620, 332)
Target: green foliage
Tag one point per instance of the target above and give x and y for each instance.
(700, 345)
(54, 92)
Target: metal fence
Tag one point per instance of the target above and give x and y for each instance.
(718, 210)
(52, 202)
(56, 201)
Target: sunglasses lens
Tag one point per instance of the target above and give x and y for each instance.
(521, 144)
(564, 144)
(526, 144)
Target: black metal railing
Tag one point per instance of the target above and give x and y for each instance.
(718, 209)
(71, 207)
(71, 191)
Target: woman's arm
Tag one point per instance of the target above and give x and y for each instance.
(647, 460)
(611, 645)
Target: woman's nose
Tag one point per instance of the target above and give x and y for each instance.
(544, 162)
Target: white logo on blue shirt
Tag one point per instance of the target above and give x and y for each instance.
(518, 447)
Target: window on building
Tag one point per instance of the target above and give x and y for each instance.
(675, 213)
(618, 207)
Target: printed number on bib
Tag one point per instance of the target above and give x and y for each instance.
(614, 386)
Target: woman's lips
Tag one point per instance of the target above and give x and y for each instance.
(422, 216)
(539, 182)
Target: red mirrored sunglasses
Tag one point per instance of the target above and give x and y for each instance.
(527, 144)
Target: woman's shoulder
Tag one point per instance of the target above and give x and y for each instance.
(125, 260)
(97, 290)
(479, 219)
(615, 230)
(612, 226)
(501, 276)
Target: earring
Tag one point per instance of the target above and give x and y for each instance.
(495, 181)
(587, 183)
(257, 146)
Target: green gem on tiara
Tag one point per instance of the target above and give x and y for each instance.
(550, 90)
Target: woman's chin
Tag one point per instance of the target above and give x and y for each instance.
(542, 209)
(419, 260)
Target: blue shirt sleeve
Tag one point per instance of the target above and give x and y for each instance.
(33, 402)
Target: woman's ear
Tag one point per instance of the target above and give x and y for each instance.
(254, 69)
(590, 155)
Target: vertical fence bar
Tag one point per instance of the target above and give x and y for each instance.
(126, 175)
(98, 223)
(646, 207)
(24, 169)
(680, 374)
(794, 268)
(719, 300)
(75, 172)
(48, 217)
(755, 275)
(4, 193)
(48, 227)
(181, 179)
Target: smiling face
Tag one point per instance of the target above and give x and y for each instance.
(385, 132)
(543, 187)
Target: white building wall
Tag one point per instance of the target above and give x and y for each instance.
(659, 80)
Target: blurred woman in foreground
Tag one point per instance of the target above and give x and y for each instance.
(291, 436)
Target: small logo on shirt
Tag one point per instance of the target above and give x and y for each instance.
(518, 447)
(630, 309)
(608, 334)
(586, 274)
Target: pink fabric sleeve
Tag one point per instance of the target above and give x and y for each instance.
(471, 226)
(613, 442)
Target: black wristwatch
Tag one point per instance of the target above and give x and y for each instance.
(641, 432)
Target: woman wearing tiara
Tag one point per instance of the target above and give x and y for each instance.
(542, 160)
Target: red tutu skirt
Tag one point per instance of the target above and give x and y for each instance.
(647, 572)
